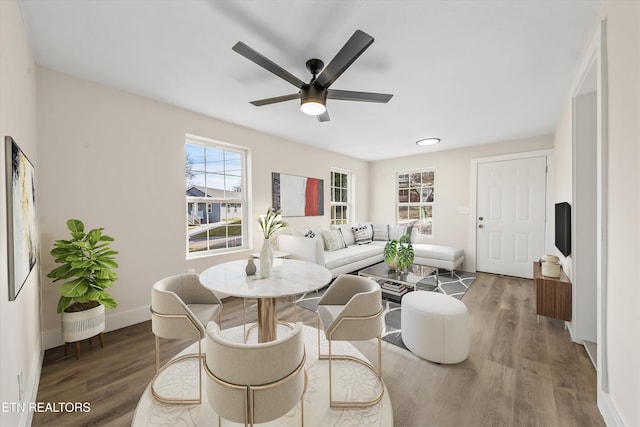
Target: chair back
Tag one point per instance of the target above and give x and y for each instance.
(171, 318)
(265, 379)
(361, 316)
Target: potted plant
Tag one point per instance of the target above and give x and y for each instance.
(269, 224)
(87, 271)
(398, 254)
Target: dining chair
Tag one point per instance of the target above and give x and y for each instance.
(255, 383)
(351, 310)
(180, 307)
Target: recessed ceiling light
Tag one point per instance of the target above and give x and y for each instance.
(428, 141)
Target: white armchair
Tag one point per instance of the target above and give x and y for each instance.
(351, 310)
(255, 383)
(180, 307)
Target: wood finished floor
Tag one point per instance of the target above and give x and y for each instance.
(522, 370)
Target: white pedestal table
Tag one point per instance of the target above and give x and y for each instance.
(288, 277)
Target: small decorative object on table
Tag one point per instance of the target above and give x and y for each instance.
(250, 269)
(550, 266)
(398, 254)
(269, 224)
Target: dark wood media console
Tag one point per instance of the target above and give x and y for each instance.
(553, 295)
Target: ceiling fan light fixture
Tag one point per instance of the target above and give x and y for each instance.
(427, 141)
(313, 100)
(312, 107)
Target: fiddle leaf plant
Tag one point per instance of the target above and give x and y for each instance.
(87, 267)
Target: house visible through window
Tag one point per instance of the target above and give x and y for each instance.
(216, 197)
(341, 184)
(415, 194)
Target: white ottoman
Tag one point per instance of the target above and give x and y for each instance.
(435, 326)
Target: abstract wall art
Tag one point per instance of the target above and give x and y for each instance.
(22, 233)
(297, 195)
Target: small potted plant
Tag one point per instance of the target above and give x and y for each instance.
(87, 271)
(269, 224)
(398, 254)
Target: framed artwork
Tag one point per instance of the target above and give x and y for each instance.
(297, 195)
(22, 232)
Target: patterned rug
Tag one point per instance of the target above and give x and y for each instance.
(455, 286)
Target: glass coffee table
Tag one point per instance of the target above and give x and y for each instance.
(395, 284)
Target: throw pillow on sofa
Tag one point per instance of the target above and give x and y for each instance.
(332, 240)
(380, 233)
(347, 234)
(312, 232)
(397, 231)
(362, 234)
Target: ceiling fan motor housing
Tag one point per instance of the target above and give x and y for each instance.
(313, 93)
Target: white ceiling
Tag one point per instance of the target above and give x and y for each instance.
(469, 72)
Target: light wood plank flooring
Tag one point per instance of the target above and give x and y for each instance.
(523, 370)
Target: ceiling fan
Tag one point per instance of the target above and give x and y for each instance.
(313, 95)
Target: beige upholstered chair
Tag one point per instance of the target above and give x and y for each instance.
(351, 310)
(180, 307)
(255, 383)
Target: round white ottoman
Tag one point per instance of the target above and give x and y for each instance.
(435, 326)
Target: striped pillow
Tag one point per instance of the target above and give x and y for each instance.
(332, 240)
(397, 231)
(380, 233)
(362, 234)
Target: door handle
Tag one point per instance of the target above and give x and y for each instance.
(481, 226)
(480, 218)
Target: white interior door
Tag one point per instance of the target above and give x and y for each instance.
(510, 223)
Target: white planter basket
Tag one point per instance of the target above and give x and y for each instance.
(81, 325)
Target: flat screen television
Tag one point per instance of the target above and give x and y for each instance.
(563, 228)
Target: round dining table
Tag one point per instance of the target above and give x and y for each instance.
(288, 277)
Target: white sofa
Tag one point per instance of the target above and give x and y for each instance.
(354, 257)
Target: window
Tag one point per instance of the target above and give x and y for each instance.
(415, 199)
(215, 182)
(341, 182)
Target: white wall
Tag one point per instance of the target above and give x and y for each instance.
(452, 186)
(623, 225)
(116, 160)
(20, 324)
(584, 220)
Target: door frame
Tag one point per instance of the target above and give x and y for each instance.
(471, 258)
(596, 56)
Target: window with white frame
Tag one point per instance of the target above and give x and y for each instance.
(341, 197)
(415, 195)
(216, 203)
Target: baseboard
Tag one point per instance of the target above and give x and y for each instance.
(608, 410)
(53, 337)
(567, 326)
(33, 382)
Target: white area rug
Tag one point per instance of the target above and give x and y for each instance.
(350, 381)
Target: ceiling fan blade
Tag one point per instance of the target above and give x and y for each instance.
(275, 99)
(348, 95)
(267, 64)
(354, 47)
(324, 117)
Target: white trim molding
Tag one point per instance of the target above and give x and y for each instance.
(53, 337)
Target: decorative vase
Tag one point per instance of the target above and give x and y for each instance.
(250, 269)
(266, 259)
